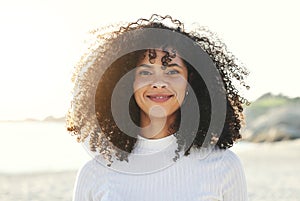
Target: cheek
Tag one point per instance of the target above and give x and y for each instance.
(138, 93)
(140, 83)
(180, 85)
(139, 87)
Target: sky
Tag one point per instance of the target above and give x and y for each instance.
(41, 41)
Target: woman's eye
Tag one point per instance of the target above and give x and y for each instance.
(144, 73)
(172, 72)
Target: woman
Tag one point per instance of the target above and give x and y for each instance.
(158, 109)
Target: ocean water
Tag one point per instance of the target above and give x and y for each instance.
(38, 147)
(54, 156)
(27, 147)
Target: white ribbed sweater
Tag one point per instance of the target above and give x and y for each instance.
(201, 176)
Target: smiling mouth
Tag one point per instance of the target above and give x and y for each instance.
(160, 98)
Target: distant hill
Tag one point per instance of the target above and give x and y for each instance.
(273, 118)
(53, 119)
(268, 119)
(47, 119)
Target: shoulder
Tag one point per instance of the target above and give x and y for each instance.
(230, 159)
(89, 171)
(87, 167)
(226, 159)
(214, 153)
(221, 159)
(225, 155)
(91, 168)
(231, 175)
(86, 173)
(86, 179)
(83, 182)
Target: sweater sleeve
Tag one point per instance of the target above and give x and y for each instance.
(83, 184)
(234, 187)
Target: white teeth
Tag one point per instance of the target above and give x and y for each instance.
(160, 97)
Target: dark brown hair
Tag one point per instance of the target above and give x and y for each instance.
(97, 122)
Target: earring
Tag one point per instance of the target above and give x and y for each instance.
(186, 94)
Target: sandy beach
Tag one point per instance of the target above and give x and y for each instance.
(37, 186)
(272, 172)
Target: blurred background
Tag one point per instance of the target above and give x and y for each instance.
(40, 42)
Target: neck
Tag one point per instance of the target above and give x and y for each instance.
(155, 128)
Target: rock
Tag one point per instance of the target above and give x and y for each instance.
(273, 118)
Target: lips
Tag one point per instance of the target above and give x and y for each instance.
(159, 97)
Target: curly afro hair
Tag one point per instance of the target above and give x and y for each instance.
(90, 116)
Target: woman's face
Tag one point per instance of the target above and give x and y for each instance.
(160, 91)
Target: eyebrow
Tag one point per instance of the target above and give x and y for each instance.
(150, 66)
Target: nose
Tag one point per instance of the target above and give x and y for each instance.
(159, 84)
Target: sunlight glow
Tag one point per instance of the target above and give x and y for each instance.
(41, 42)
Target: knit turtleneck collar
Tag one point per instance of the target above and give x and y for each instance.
(148, 155)
(145, 145)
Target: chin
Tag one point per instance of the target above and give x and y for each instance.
(157, 111)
